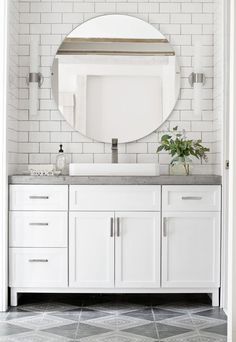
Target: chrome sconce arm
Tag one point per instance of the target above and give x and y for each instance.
(196, 77)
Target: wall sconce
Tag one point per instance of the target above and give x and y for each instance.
(197, 79)
(35, 78)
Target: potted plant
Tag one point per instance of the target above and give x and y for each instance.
(182, 149)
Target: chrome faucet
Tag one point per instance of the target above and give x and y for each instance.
(114, 150)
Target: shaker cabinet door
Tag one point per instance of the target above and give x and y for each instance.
(137, 250)
(190, 249)
(91, 250)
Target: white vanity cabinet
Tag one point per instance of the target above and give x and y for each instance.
(191, 236)
(38, 237)
(114, 250)
(121, 248)
(137, 250)
(115, 239)
(91, 250)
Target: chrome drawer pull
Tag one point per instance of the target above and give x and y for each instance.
(164, 227)
(193, 198)
(38, 260)
(111, 227)
(39, 197)
(38, 224)
(118, 226)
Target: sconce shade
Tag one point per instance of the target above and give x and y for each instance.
(33, 76)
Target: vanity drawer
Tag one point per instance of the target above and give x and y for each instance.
(38, 267)
(115, 197)
(37, 229)
(38, 197)
(191, 198)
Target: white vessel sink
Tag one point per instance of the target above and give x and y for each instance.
(122, 169)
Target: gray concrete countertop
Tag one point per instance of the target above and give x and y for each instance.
(117, 180)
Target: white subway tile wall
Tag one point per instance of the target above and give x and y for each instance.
(218, 91)
(13, 94)
(183, 22)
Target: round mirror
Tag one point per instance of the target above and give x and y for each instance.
(115, 77)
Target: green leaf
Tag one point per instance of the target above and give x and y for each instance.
(160, 148)
(165, 137)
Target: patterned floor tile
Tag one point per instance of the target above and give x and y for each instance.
(161, 314)
(218, 329)
(87, 314)
(77, 331)
(9, 329)
(116, 308)
(193, 322)
(68, 331)
(211, 337)
(146, 314)
(19, 314)
(47, 307)
(119, 322)
(147, 330)
(166, 330)
(72, 315)
(92, 318)
(35, 336)
(212, 313)
(188, 337)
(185, 307)
(118, 336)
(40, 322)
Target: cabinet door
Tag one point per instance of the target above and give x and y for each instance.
(137, 246)
(91, 245)
(191, 249)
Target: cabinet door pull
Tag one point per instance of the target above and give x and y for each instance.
(39, 197)
(191, 198)
(38, 224)
(112, 227)
(118, 227)
(164, 227)
(38, 260)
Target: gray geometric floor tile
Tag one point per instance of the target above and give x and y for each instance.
(119, 336)
(116, 308)
(47, 307)
(9, 329)
(193, 322)
(211, 337)
(87, 314)
(40, 322)
(161, 314)
(35, 336)
(3, 316)
(119, 322)
(77, 331)
(148, 330)
(165, 330)
(218, 329)
(19, 314)
(188, 337)
(146, 314)
(69, 331)
(73, 315)
(133, 319)
(185, 307)
(213, 313)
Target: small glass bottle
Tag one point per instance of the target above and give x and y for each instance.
(61, 161)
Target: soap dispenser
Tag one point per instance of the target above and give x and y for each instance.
(60, 161)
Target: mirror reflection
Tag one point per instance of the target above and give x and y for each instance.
(115, 77)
